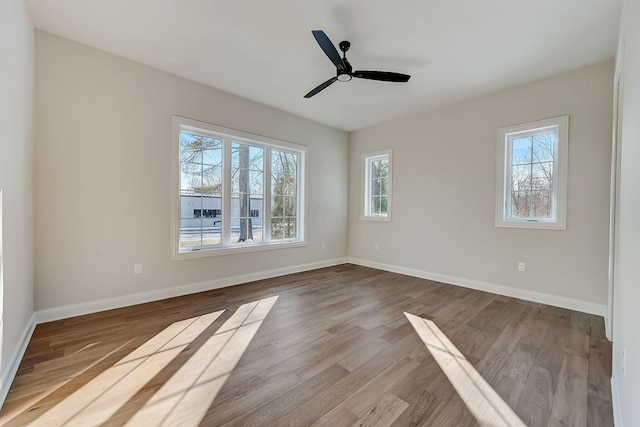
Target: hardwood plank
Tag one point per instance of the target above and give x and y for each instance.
(551, 349)
(423, 405)
(279, 407)
(453, 414)
(520, 362)
(220, 413)
(597, 327)
(571, 398)
(338, 417)
(510, 389)
(426, 377)
(468, 307)
(580, 322)
(359, 403)
(313, 410)
(473, 342)
(354, 359)
(510, 311)
(600, 369)
(383, 412)
(534, 405)
(539, 319)
(600, 412)
(483, 318)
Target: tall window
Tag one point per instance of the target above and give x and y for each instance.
(377, 185)
(532, 170)
(247, 191)
(234, 191)
(284, 194)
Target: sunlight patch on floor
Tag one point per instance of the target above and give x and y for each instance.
(482, 400)
(100, 398)
(185, 398)
(24, 405)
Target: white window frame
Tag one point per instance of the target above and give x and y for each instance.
(227, 135)
(560, 125)
(368, 158)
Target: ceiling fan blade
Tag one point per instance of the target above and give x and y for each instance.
(321, 87)
(329, 49)
(385, 76)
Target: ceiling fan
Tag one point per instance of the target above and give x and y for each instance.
(344, 71)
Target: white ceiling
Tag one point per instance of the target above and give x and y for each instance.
(263, 49)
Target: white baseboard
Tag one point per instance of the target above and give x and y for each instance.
(615, 399)
(73, 310)
(538, 297)
(12, 367)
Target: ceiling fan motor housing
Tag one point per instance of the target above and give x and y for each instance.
(346, 74)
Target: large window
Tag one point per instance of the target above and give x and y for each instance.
(234, 191)
(532, 174)
(377, 185)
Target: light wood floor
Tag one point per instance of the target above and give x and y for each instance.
(327, 347)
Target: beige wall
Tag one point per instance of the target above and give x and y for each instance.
(626, 316)
(444, 191)
(103, 176)
(16, 182)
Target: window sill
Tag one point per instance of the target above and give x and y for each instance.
(376, 218)
(231, 250)
(540, 225)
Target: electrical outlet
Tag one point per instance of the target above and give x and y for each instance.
(137, 269)
(322, 246)
(522, 266)
(376, 246)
